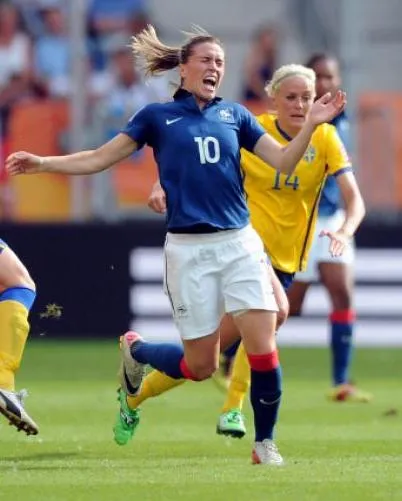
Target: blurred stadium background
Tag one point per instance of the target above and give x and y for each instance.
(68, 82)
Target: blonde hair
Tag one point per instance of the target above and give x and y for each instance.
(286, 71)
(158, 57)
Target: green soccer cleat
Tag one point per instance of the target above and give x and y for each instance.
(231, 424)
(126, 422)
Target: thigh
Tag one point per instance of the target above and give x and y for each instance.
(228, 332)
(296, 294)
(12, 272)
(280, 297)
(338, 280)
(193, 288)
(246, 279)
(202, 355)
(257, 328)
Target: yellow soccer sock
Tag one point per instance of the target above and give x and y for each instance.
(155, 383)
(14, 328)
(239, 381)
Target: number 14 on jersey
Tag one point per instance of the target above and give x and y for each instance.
(290, 181)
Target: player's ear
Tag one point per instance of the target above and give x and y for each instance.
(182, 71)
(273, 103)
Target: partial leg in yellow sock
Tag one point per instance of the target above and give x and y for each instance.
(231, 420)
(154, 384)
(239, 381)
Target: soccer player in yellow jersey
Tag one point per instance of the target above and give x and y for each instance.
(283, 211)
(17, 294)
(284, 208)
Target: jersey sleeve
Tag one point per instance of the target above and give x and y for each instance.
(338, 160)
(138, 128)
(250, 129)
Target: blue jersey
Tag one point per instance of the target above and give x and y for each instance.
(198, 156)
(330, 200)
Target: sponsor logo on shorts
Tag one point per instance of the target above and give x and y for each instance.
(181, 311)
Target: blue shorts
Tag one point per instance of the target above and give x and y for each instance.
(286, 279)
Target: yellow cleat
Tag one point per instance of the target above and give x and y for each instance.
(349, 393)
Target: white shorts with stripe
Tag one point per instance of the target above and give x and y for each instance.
(211, 274)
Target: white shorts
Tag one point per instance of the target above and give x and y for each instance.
(319, 252)
(211, 274)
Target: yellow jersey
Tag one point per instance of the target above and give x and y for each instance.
(283, 208)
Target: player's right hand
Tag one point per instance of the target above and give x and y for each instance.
(157, 199)
(23, 162)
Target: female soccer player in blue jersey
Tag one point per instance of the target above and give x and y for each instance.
(335, 273)
(17, 294)
(215, 262)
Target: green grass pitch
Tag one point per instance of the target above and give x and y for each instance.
(332, 451)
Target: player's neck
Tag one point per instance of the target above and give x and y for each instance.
(201, 103)
(288, 130)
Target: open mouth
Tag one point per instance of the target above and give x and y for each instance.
(210, 83)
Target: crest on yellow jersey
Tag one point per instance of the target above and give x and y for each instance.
(309, 156)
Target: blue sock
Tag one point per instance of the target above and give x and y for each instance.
(22, 295)
(161, 356)
(342, 323)
(265, 393)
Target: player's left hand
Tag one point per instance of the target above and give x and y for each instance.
(157, 199)
(327, 107)
(338, 241)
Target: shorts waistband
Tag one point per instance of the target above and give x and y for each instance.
(204, 238)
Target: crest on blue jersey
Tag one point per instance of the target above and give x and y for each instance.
(309, 156)
(226, 114)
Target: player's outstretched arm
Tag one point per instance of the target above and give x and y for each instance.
(285, 158)
(83, 162)
(354, 214)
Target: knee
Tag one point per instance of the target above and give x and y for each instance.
(341, 298)
(202, 371)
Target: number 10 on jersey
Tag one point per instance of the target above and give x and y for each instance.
(208, 149)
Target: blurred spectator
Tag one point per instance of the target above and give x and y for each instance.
(52, 55)
(110, 17)
(16, 78)
(30, 11)
(16, 83)
(260, 63)
(127, 91)
(15, 50)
